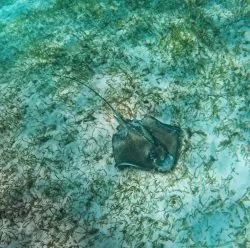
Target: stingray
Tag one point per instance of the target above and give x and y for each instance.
(146, 144)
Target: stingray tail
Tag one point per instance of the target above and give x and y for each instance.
(117, 115)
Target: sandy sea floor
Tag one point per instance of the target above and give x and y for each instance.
(185, 62)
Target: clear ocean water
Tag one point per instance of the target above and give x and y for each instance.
(185, 62)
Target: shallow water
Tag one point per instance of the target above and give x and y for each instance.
(183, 62)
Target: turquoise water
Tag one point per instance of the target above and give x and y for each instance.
(183, 62)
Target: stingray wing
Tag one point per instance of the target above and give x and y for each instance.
(132, 149)
(167, 135)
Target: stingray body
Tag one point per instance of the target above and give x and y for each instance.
(146, 144)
